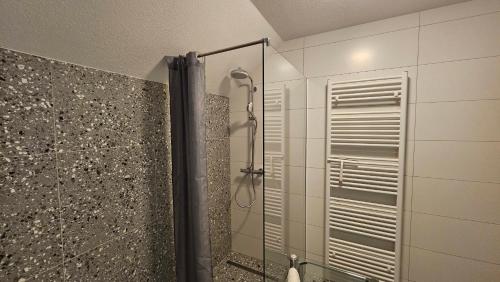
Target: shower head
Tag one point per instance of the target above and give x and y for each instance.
(239, 73)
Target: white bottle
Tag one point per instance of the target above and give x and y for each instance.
(293, 274)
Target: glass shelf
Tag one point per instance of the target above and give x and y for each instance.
(277, 265)
(312, 272)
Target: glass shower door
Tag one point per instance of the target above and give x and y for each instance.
(284, 130)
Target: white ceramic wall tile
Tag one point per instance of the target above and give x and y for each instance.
(240, 149)
(315, 258)
(316, 123)
(316, 156)
(457, 11)
(405, 262)
(461, 80)
(240, 126)
(295, 94)
(245, 195)
(296, 59)
(296, 207)
(410, 121)
(247, 245)
(217, 69)
(463, 199)
(432, 266)
(456, 237)
(316, 92)
(315, 186)
(407, 218)
(315, 211)
(466, 121)
(290, 45)
(386, 25)
(408, 193)
(295, 151)
(295, 179)
(461, 39)
(247, 223)
(296, 235)
(315, 238)
(279, 67)
(476, 161)
(390, 50)
(238, 177)
(300, 253)
(238, 97)
(409, 155)
(295, 123)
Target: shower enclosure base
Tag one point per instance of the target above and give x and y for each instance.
(239, 267)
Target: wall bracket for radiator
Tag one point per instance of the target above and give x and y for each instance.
(366, 132)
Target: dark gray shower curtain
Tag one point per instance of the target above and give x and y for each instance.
(189, 169)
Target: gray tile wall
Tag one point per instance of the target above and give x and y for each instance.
(84, 182)
(219, 186)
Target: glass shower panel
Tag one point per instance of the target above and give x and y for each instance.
(233, 111)
(284, 104)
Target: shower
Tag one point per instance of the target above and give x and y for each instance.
(240, 74)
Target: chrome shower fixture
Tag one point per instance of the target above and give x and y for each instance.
(240, 73)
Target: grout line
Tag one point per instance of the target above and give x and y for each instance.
(305, 157)
(459, 19)
(32, 277)
(413, 154)
(51, 151)
(459, 60)
(303, 68)
(99, 149)
(448, 254)
(119, 237)
(79, 255)
(401, 67)
(458, 141)
(458, 101)
(363, 71)
(58, 179)
(457, 218)
(294, 166)
(455, 179)
(359, 37)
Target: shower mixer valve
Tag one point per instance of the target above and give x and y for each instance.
(249, 170)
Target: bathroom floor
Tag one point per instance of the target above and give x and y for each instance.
(242, 268)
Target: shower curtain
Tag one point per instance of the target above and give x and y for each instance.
(189, 169)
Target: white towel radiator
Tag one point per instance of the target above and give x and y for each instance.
(274, 141)
(366, 122)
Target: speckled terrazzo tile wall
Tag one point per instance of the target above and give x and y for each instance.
(84, 182)
(219, 189)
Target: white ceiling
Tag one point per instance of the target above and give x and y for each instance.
(129, 36)
(297, 18)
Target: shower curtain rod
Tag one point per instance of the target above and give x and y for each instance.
(261, 41)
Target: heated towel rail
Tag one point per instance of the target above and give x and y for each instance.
(274, 140)
(365, 164)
